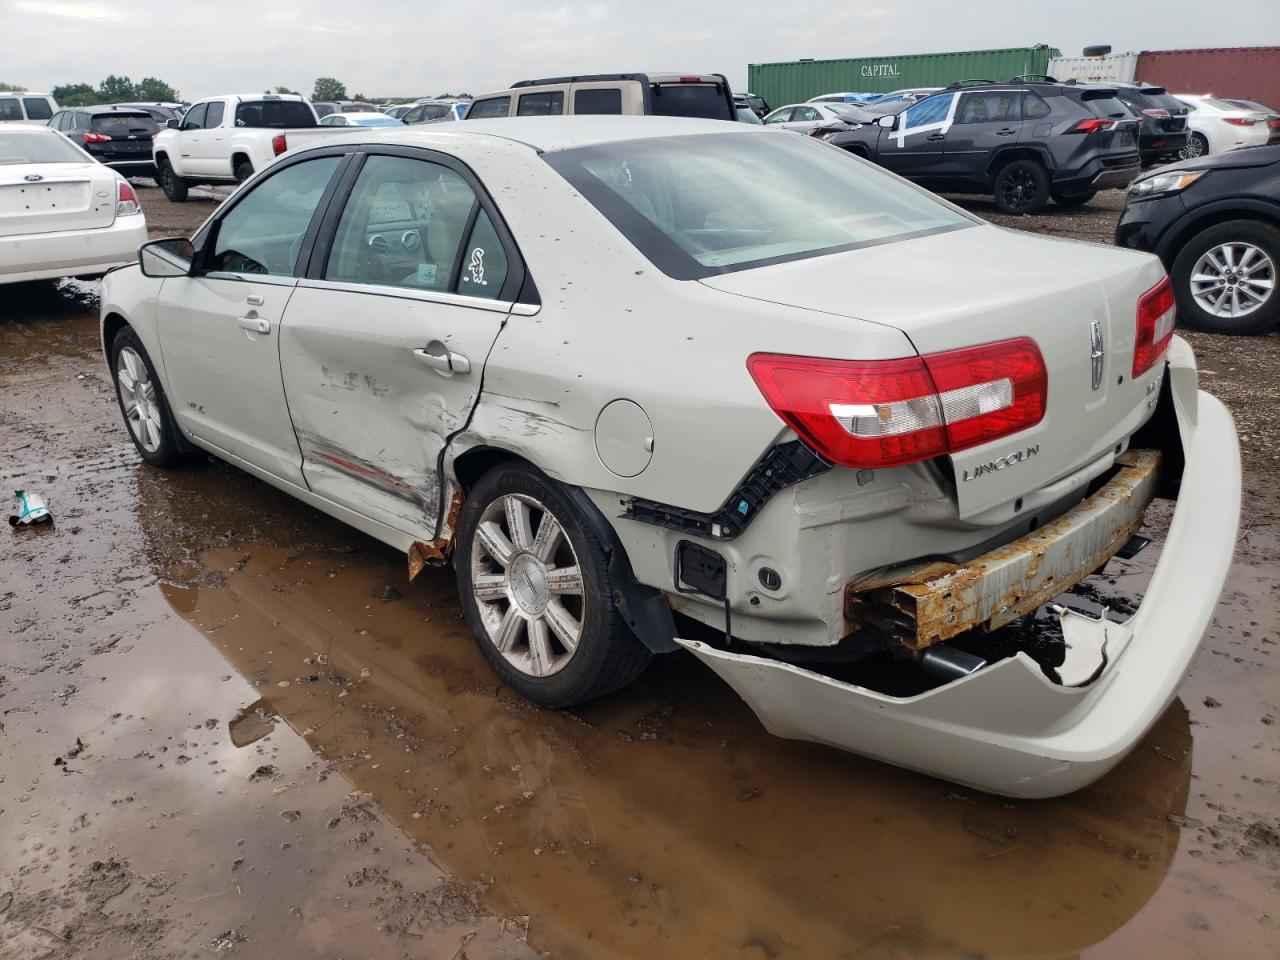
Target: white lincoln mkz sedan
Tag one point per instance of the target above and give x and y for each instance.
(654, 383)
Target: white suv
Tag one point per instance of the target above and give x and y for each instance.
(21, 106)
(705, 95)
(615, 369)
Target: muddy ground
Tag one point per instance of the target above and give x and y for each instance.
(229, 727)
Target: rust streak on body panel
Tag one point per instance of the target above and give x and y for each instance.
(926, 603)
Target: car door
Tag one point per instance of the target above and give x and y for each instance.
(385, 340)
(186, 143)
(984, 122)
(220, 327)
(913, 148)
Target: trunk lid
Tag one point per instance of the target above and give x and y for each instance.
(65, 196)
(984, 284)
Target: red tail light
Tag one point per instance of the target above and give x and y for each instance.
(880, 413)
(1157, 317)
(279, 144)
(1240, 121)
(96, 138)
(126, 200)
(1092, 125)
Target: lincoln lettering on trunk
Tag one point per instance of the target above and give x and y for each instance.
(991, 466)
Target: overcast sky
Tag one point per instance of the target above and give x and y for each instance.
(403, 47)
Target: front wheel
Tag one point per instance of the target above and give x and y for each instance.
(1073, 200)
(175, 187)
(1021, 186)
(142, 401)
(536, 591)
(1224, 278)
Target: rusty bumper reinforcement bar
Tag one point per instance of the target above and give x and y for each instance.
(927, 603)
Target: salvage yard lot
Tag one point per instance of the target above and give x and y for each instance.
(229, 727)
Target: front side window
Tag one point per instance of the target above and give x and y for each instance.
(927, 112)
(548, 103)
(781, 115)
(713, 203)
(486, 109)
(403, 227)
(601, 100)
(37, 108)
(194, 120)
(263, 233)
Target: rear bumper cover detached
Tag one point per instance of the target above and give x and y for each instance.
(1008, 729)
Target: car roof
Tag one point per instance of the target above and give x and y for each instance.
(548, 134)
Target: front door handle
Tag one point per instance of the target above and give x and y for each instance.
(442, 360)
(936, 137)
(1005, 133)
(256, 324)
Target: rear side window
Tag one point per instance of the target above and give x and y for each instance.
(1033, 108)
(602, 100)
(214, 117)
(123, 124)
(493, 107)
(549, 103)
(705, 100)
(37, 108)
(10, 109)
(273, 113)
(484, 262)
(988, 107)
(194, 120)
(432, 111)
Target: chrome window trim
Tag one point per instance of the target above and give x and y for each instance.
(271, 278)
(407, 293)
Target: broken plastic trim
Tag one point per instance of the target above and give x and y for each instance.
(786, 464)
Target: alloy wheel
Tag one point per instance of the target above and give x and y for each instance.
(1233, 279)
(527, 584)
(138, 398)
(1018, 188)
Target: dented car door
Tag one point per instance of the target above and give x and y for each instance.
(387, 335)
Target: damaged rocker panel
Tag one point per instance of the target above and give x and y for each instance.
(930, 602)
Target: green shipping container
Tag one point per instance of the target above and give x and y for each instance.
(798, 80)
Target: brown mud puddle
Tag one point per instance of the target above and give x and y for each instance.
(231, 728)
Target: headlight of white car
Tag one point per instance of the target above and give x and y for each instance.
(1163, 183)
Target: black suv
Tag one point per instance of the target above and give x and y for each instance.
(1023, 142)
(118, 136)
(1163, 133)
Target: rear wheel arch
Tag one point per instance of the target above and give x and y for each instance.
(1007, 155)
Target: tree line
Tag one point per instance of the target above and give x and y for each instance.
(115, 90)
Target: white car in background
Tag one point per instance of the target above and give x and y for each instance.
(1219, 125)
(23, 106)
(360, 119)
(615, 368)
(62, 213)
(803, 117)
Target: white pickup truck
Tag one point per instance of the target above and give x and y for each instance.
(226, 139)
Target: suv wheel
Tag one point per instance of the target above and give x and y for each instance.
(1224, 278)
(175, 187)
(1072, 200)
(1021, 186)
(536, 592)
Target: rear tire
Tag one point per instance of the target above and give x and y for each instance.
(1073, 200)
(1197, 146)
(1241, 256)
(243, 170)
(1021, 186)
(142, 401)
(510, 602)
(175, 187)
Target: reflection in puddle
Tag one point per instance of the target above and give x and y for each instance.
(664, 814)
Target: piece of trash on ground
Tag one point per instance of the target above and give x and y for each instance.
(31, 509)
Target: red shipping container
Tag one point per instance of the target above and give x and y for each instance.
(1244, 73)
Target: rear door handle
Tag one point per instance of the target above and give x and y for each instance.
(1005, 133)
(256, 324)
(936, 136)
(440, 359)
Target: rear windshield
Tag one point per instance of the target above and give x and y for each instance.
(274, 113)
(706, 100)
(715, 203)
(37, 108)
(1250, 105)
(38, 148)
(1106, 105)
(1225, 105)
(121, 124)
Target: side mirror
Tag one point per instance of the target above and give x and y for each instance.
(172, 124)
(166, 258)
(887, 122)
